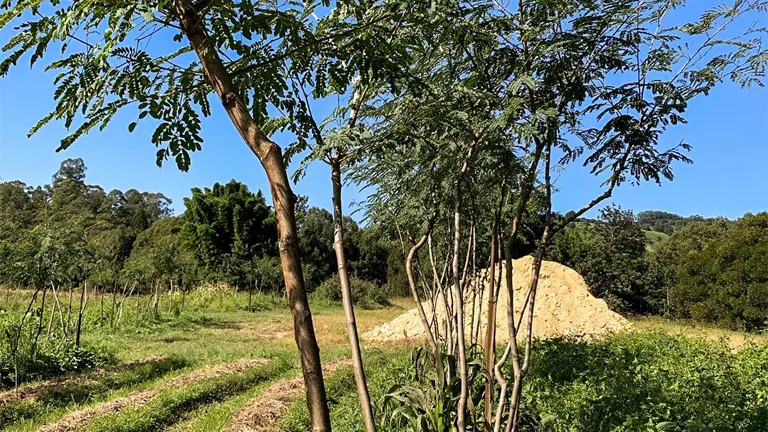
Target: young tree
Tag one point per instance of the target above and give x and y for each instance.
(104, 72)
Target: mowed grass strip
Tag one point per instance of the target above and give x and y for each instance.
(216, 417)
(49, 399)
(174, 405)
(263, 413)
(337, 385)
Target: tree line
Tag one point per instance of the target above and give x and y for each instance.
(66, 233)
(709, 269)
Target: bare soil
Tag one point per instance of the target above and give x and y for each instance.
(563, 307)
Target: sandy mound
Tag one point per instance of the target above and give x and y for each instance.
(564, 307)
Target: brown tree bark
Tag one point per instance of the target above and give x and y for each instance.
(40, 323)
(458, 291)
(271, 158)
(431, 341)
(83, 299)
(490, 330)
(346, 295)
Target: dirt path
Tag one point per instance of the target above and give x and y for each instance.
(263, 413)
(32, 391)
(81, 418)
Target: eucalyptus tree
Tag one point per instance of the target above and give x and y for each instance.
(164, 59)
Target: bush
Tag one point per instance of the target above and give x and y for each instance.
(365, 294)
(31, 356)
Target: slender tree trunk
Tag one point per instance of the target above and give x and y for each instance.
(250, 296)
(156, 301)
(69, 313)
(50, 320)
(490, 330)
(459, 306)
(271, 158)
(414, 292)
(101, 310)
(521, 370)
(58, 307)
(458, 291)
(123, 301)
(40, 323)
(15, 350)
(346, 295)
(83, 300)
(437, 287)
(114, 304)
(170, 295)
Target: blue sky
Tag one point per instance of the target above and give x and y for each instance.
(728, 131)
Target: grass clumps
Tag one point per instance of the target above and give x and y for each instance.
(88, 389)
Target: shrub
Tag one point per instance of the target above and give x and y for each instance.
(25, 355)
(431, 404)
(365, 294)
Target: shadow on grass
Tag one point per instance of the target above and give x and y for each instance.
(82, 391)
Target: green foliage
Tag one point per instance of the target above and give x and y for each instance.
(726, 281)
(365, 294)
(160, 255)
(664, 222)
(644, 381)
(631, 382)
(228, 226)
(26, 355)
(318, 259)
(430, 404)
(610, 255)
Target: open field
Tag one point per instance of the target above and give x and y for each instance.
(211, 369)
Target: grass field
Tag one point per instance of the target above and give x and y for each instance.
(198, 368)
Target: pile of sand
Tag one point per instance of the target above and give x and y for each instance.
(564, 307)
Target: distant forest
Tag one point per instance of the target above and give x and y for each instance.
(69, 232)
(660, 263)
